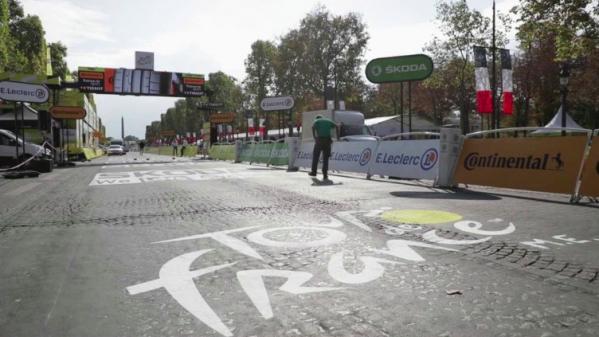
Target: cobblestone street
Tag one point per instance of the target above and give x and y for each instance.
(153, 246)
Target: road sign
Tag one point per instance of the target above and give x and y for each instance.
(168, 133)
(222, 118)
(277, 103)
(144, 60)
(68, 112)
(211, 106)
(399, 69)
(23, 92)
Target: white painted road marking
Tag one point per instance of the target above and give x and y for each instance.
(138, 177)
(25, 188)
(177, 280)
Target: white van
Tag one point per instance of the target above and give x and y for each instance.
(8, 140)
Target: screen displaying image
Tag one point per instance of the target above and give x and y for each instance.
(140, 82)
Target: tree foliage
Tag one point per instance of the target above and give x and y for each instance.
(58, 51)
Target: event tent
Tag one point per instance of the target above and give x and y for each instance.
(556, 122)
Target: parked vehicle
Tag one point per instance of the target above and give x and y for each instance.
(115, 149)
(121, 143)
(9, 140)
(351, 123)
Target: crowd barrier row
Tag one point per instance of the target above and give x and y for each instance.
(265, 152)
(546, 162)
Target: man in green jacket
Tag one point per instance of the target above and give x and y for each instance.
(321, 130)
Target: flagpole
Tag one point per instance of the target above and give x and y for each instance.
(494, 79)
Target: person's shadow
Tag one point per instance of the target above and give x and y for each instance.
(317, 182)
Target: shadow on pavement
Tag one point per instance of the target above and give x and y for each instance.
(317, 182)
(447, 194)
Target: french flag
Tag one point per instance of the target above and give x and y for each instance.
(506, 82)
(484, 100)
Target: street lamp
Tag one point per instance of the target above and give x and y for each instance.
(564, 74)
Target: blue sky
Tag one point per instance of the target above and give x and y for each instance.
(207, 36)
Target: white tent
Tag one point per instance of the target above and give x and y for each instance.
(556, 122)
(388, 125)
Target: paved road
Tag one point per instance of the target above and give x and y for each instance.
(205, 248)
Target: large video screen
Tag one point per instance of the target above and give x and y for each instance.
(123, 81)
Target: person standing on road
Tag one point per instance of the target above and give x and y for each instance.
(321, 130)
(174, 145)
(142, 145)
(183, 145)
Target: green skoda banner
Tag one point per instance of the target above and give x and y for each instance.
(222, 151)
(399, 69)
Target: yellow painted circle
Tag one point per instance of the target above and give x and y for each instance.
(420, 216)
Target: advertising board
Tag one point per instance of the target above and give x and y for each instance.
(140, 82)
(548, 164)
(68, 112)
(399, 68)
(345, 156)
(279, 154)
(23, 92)
(277, 103)
(590, 174)
(222, 118)
(415, 159)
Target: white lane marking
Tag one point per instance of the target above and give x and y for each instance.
(147, 176)
(25, 188)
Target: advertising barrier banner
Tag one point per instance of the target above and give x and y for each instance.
(304, 155)
(345, 156)
(262, 153)
(222, 152)
(590, 174)
(416, 159)
(547, 164)
(280, 154)
(246, 152)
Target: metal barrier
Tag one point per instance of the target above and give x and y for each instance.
(589, 182)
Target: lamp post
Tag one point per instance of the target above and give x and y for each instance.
(564, 74)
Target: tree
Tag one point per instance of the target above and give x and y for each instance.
(551, 33)
(259, 67)
(27, 44)
(571, 23)
(4, 34)
(462, 29)
(58, 52)
(334, 47)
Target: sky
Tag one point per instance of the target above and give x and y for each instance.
(202, 37)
